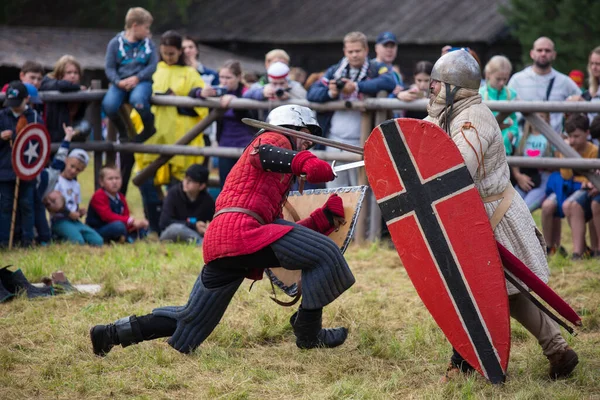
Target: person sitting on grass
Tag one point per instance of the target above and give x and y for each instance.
(187, 208)
(578, 206)
(109, 213)
(65, 219)
(45, 183)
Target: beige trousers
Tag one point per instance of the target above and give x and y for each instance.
(545, 330)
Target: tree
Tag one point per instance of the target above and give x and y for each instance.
(573, 25)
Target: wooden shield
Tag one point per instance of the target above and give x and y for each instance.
(299, 206)
(442, 233)
(31, 151)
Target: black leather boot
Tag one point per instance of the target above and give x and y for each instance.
(309, 332)
(5, 294)
(148, 131)
(16, 281)
(125, 332)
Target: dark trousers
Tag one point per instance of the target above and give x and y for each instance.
(215, 274)
(24, 215)
(152, 201)
(41, 220)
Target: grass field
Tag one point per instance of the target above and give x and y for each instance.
(394, 350)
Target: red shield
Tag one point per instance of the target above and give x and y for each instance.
(31, 151)
(442, 233)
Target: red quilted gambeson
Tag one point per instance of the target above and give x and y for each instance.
(249, 186)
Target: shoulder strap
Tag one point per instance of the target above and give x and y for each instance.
(549, 89)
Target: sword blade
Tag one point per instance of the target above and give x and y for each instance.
(303, 135)
(345, 167)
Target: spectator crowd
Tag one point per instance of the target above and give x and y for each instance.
(176, 200)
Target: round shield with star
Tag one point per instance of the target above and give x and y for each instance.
(31, 151)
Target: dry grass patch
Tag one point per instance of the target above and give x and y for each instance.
(394, 349)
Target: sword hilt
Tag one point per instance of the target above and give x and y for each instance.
(333, 168)
(301, 183)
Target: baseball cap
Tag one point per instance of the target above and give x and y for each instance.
(386, 37)
(15, 94)
(81, 155)
(197, 173)
(34, 96)
(278, 70)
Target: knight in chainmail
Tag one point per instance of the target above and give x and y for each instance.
(455, 105)
(247, 235)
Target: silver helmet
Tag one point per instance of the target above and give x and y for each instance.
(457, 68)
(294, 116)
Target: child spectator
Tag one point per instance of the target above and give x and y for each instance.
(231, 131)
(130, 62)
(577, 207)
(531, 182)
(66, 212)
(13, 118)
(109, 214)
(187, 208)
(31, 72)
(419, 89)
(192, 58)
(45, 183)
(497, 73)
(66, 77)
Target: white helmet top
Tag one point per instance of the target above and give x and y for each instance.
(294, 116)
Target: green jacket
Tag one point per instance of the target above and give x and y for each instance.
(489, 93)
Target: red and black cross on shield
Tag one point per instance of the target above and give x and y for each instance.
(440, 228)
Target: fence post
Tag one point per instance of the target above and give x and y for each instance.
(96, 122)
(111, 136)
(375, 212)
(361, 223)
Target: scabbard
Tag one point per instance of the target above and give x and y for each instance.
(537, 303)
(520, 271)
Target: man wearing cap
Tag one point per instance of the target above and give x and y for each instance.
(280, 86)
(187, 208)
(13, 119)
(353, 78)
(386, 50)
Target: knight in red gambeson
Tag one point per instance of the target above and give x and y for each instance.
(247, 235)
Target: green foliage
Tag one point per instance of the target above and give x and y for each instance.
(573, 25)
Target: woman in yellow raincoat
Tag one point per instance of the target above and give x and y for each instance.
(172, 77)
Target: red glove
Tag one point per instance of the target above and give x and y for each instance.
(324, 217)
(335, 205)
(316, 170)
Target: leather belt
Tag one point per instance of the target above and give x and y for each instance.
(506, 196)
(240, 210)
